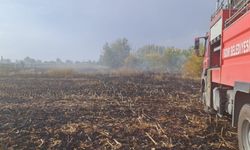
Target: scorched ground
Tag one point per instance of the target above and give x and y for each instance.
(141, 111)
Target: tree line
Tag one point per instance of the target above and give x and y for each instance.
(30, 65)
(119, 54)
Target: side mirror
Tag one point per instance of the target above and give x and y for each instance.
(197, 46)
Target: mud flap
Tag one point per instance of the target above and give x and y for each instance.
(208, 89)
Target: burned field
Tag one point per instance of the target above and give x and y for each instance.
(142, 111)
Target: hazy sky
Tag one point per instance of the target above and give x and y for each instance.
(77, 29)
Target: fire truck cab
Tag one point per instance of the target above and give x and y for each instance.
(226, 66)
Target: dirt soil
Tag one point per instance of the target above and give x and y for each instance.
(142, 111)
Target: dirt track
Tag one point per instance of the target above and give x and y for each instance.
(108, 112)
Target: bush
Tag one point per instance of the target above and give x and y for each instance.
(193, 67)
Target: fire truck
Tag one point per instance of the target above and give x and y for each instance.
(226, 67)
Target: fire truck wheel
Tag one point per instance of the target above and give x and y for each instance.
(244, 128)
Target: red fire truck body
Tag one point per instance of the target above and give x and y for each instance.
(235, 55)
(226, 66)
(235, 65)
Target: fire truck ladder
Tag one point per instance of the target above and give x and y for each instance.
(244, 6)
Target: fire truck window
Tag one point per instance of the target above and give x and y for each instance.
(215, 54)
(216, 59)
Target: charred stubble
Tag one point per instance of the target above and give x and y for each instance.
(141, 111)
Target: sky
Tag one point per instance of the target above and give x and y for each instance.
(78, 29)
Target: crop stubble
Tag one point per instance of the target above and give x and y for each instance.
(141, 111)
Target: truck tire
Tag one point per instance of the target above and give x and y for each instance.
(244, 128)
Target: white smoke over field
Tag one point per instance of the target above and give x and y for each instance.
(152, 58)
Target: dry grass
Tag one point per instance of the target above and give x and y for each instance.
(61, 73)
(125, 71)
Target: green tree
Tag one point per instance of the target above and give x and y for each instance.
(154, 60)
(114, 54)
(147, 49)
(173, 59)
(132, 61)
(168, 59)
